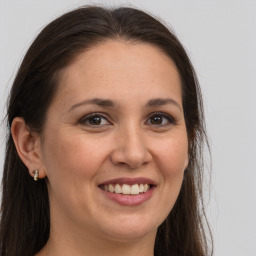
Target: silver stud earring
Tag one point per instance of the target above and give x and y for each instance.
(36, 175)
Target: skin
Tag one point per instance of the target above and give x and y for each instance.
(76, 156)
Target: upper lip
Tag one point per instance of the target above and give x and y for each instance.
(129, 181)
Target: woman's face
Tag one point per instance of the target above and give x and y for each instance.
(114, 145)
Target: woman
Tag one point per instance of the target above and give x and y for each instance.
(106, 129)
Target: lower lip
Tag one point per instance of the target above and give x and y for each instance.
(129, 200)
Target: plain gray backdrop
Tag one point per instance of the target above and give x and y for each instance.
(220, 37)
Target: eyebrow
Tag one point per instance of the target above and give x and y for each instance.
(161, 102)
(109, 103)
(95, 101)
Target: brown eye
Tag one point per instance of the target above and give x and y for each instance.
(156, 120)
(94, 120)
(160, 119)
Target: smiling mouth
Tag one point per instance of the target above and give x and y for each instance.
(125, 189)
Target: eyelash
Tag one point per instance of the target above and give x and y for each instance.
(86, 119)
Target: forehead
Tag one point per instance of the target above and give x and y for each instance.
(116, 66)
(120, 54)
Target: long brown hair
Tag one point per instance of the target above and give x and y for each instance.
(25, 221)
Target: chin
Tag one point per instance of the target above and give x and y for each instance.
(130, 228)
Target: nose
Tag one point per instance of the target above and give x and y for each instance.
(130, 149)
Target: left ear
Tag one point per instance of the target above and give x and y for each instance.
(28, 146)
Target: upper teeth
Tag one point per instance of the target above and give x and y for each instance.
(126, 189)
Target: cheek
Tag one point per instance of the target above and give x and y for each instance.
(173, 156)
(172, 161)
(71, 155)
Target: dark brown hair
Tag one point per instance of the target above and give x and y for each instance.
(25, 221)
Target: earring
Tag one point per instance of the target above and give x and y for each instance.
(36, 175)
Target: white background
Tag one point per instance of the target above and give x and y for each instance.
(220, 37)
